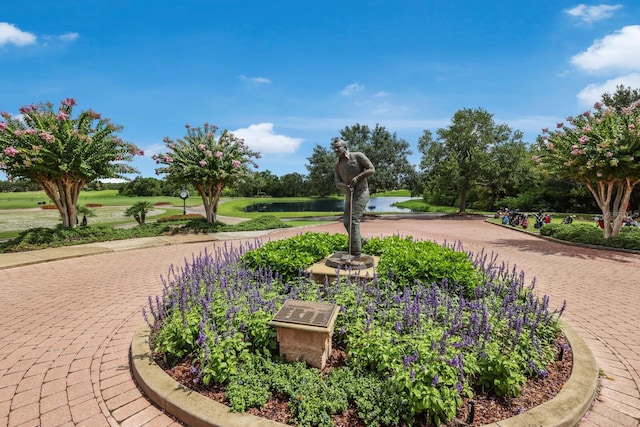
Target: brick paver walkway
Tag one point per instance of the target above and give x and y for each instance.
(66, 325)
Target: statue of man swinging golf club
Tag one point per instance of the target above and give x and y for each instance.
(351, 171)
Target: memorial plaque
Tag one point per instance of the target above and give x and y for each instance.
(306, 313)
(304, 330)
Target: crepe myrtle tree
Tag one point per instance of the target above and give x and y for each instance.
(600, 148)
(207, 162)
(61, 153)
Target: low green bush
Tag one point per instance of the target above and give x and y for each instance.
(629, 237)
(41, 237)
(176, 218)
(262, 222)
(291, 256)
(404, 261)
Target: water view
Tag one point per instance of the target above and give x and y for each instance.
(376, 204)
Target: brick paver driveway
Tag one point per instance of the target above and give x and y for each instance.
(66, 325)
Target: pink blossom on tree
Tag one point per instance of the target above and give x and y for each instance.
(62, 168)
(192, 162)
(10, 151)
(599, 149)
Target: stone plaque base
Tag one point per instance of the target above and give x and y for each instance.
(308, 342)
(311, 347)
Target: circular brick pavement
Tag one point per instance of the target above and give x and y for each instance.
(67, 325)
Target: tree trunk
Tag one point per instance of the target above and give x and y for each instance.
(64, 194)
(463, 200)
(613, 209)
(210, 198)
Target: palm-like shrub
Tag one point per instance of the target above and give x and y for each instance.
(139, 211)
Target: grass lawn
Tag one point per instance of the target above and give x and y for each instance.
(21, 211)
(30, 199)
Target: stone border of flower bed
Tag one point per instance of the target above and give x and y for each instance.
(565, 410)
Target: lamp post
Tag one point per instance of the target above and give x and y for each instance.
(184, 194)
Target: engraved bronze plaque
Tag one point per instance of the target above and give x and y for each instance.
(305, 313)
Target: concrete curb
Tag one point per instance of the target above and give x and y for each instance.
(566, 409)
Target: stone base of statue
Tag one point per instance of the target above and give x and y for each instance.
(343, 260)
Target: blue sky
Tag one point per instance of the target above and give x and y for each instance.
(287, 75)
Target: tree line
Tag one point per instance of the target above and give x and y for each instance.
(587, 164)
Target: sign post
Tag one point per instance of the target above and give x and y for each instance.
(184, 194)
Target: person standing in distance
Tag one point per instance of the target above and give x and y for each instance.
(351, 172)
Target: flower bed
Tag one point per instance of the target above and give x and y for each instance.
(415, 345)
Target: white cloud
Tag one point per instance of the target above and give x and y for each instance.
(10, 34)
(591, 14)
(351, 89)
(593, 92)
(615, 51)
(152, 149)
(69, 37)
(257, 80)
(381, 94)
(113, 180)
(261, 138)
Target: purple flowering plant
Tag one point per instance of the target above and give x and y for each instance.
(421, 346)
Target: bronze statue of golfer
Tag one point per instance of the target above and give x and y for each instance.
(351, 172)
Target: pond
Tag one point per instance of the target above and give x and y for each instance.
(376, 204)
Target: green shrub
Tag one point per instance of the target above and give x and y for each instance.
(291, 256)
(176, 218)
(629, 238)
(262, 222)
(587, 234)
(39, 238)
(404, 262)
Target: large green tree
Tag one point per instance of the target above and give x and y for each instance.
(388, 153)
(462, 156)
(61, 153)
(293, 185)
(320, 180)
(601, 149)
(511, 171)
(207, 162)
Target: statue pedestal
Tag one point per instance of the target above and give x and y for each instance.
(345, 261)
(344, 264)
